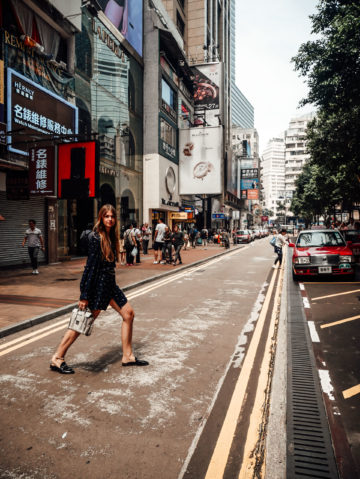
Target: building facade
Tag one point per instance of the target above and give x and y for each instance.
(242, 111)
(295, 154)
(273, 174)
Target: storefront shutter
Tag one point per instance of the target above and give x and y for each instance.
(12, 230)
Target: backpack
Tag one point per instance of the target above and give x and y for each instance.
(85, 238)
(127, 240)
(273, 241)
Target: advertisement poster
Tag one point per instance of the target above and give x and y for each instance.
(249, 173)
(200, 160)
(252, 194)
(34, 111)
(207, 101)
(249, 184)
(127, 17)
(42, 170)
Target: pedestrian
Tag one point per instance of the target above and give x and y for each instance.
(178, 242)
(225, 239)
(192, 236)
(159, 240)
(98, 289)
(167, 247)
(280, 242)
(146, 235)
(130, 244)
(35, 241)
(122, 249)
(138, 241)
(186, 240)
(204, 236)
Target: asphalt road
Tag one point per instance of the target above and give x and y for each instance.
(162, 421)
(332, 311)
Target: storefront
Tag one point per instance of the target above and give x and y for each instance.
(108, 87)
(36, 104)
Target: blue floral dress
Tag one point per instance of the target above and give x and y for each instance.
(98, 284)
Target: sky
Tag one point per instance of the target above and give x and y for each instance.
(269, 33)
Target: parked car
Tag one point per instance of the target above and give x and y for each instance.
(242, 236)
(321, 253)
(352, 238)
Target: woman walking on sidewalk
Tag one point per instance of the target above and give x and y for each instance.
(98, 289)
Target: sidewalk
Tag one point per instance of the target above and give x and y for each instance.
(24, 296)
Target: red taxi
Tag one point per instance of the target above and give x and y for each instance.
(321, 253)
(352, 238)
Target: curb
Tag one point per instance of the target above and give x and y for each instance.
(42, 318)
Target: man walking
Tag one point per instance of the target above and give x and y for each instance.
(159, 239)
(280, 242)
(35, 241)
(146, 233)
(137, 235)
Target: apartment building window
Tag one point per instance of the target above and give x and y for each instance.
(180, 24)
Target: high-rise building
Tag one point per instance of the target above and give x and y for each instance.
(273, 174)
(242, 111)
(295, 153)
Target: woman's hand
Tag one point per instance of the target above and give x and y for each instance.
(83, 304)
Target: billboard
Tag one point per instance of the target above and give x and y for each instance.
(78, 170)
(207, 100)
(252, 194)
(34, 111)
(249, 173)
(249, 184)
(200, 160)
(42, 170)
(127, 17)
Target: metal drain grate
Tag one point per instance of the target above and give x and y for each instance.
(310, 453)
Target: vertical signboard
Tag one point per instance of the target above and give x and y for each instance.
(2, 90)
(78, 170)
(34, 111)
(42, 171)
(200, 160)
(207, 94)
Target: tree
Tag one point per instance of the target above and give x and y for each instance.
(331, 64)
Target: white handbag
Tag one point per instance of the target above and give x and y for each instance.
(81, 321)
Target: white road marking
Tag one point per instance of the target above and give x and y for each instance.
(326, 385)
(306, 303)
(313, 333)
(301, 286)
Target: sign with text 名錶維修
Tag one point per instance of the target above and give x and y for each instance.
(181, 215)
(42, 170)
(33, 112)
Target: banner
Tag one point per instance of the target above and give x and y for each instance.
(207, 101)
(200, 151)
(42, 171)
(249, 184)
(252, 194)
(127, 17)
(34, 111)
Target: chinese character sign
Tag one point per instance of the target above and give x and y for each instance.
(41, 171)
(34, 111)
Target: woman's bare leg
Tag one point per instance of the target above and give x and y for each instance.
(127, 313)
(69, 337)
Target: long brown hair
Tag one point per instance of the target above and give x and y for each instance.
(111, 240)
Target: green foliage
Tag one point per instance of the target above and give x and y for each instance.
(331, 64)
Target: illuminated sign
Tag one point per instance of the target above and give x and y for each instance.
(78, 170)
(41, 170)
(249, 173)
(34, 111)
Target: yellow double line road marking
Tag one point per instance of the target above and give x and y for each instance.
(221, 452)
(22, 341)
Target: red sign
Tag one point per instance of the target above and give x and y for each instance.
(252, 194)
(78, 170)
(264, 218)
(41, 171)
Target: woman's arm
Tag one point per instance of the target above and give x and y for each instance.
(91, 270)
